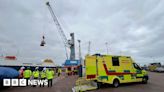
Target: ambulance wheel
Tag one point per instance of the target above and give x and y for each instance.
(116, 83)
(144, 80)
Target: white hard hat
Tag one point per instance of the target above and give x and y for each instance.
(36, 67)
(44, 68)
(22, 67)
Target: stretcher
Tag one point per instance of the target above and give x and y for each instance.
(84, 85)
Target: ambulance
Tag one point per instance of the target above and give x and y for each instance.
(113, 70)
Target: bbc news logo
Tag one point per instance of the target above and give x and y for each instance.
(24, 82)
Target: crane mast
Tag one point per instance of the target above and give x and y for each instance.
(67, 43)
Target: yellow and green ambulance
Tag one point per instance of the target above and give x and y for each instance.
(114, 70)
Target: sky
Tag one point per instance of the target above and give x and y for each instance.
(130, 27)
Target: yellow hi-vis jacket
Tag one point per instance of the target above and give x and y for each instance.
(52, 72)
(75, 70)
(69, 71)
(43, 74)
(27, 74)
(49, 74)
(66, 70)
(36, 74)
(59, 70)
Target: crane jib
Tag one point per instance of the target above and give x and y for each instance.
(67, 43)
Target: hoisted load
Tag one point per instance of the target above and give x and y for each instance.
(43, 42)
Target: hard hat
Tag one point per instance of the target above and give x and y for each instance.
(44, 68)
(36, 68)
(22, 67)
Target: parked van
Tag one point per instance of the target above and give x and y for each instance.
(152, 66)
(113, 70)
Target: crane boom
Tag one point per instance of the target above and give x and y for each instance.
(60, 30)
(67, 43)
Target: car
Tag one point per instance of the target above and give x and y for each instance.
(159, 69)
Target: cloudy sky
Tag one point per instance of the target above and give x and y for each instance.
(130, 27)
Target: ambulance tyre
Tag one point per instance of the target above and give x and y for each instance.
(116, 83)
(144, 80)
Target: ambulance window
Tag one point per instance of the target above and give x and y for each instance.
(115, 61)
(136, 66)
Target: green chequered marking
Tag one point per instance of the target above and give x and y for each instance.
(126, 71)
(103, 77)
(139, 71)
(121, 77)
(133, 76)
(111, 71)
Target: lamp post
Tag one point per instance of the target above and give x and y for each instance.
(89, 45)
(106, 46)
(79, 51)
(81, 64)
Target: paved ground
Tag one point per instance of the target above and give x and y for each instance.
(59, 85)
(155, 84)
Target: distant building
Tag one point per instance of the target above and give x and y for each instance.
(12, 61)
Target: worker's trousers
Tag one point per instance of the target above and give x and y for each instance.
(35, 78)
(27, 81)
(49, 82)
(43, 83)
